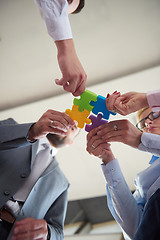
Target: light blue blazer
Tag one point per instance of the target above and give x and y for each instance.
(48, 198)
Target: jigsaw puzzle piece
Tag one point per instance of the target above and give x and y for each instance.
(84, 101)
(96, 121)
(100, 106)
(80, 117)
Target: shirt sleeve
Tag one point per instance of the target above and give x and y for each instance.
(56, 18)
(150, 143)
(153, 98)
(121, 202)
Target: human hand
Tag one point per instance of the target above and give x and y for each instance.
(73, 75)
(120, 131)
(30, 228)
(98, 147)
(126, 103)
(51, 122)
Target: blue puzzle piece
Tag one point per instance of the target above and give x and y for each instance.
(100, 107)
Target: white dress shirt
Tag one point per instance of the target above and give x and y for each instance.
(55, 15)
(125, 207)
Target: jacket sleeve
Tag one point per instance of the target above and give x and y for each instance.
(55, 216)
(11, 131)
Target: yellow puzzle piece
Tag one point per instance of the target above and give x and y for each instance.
(80, 117)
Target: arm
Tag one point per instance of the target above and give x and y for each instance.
(56, 18)
(150, 143)
(19, 133)
(11, 130)
(51, 227)
(153, 99)
(121, 202)
(51, 122)
(126, 103)
(132, 101)
(128, 134)
(56, 215)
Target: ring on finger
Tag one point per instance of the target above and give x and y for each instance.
(51, 123)
(115, 127)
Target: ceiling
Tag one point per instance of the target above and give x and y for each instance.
(112, 39)
(118, 45)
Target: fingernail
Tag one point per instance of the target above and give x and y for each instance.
(108, 95)
(115, 91)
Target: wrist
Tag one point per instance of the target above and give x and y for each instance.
(64, 46)
(144, 100)
(31, 134)
(107, 158)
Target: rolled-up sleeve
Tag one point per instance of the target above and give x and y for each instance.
(56, 18)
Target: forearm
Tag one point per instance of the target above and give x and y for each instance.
(120, 199)
(14, 132)
(150, 143)
(56, 215)
(65, 47)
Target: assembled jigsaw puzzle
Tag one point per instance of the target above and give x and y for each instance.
(89, 102)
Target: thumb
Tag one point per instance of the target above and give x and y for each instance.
(60, 81)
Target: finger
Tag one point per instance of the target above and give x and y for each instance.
(24, 221)
(60, 82)
(71, 85)
(90, 143)
(111, 100)
(120, 105)
(81, 87)
(94, 142)
(28, 224)
(62, 118)
(31, 235)
(108, 127)
(91, 134)
(101, 149)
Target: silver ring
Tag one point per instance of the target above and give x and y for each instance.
(93, 146)
(115, 127)
(51, 123)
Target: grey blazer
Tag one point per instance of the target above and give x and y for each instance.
(48, 198)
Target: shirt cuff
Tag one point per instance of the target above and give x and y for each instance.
(62, 30)
(112, 171)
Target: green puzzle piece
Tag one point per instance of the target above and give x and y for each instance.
(84, 101)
